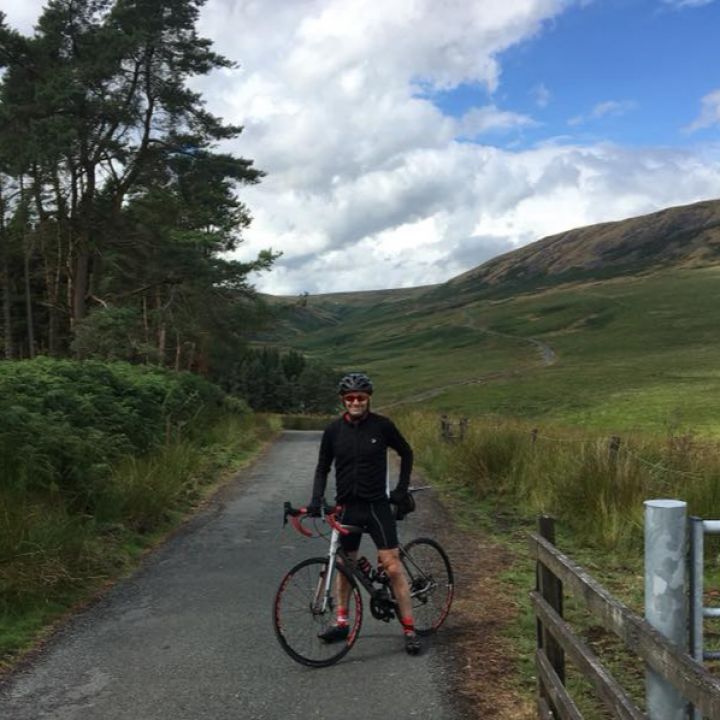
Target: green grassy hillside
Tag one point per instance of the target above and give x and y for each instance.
(593, 347)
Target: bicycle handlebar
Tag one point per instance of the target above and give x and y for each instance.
(297, 515)
(334, 524)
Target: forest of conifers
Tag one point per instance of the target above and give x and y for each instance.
(117, 209)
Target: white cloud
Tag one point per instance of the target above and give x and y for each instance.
(709, 112)
(489, 118)
(478, 202)
(609, 108)
(21, 14)
(368, 185)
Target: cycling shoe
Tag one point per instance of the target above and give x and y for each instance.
(334, 634)
(413, 646)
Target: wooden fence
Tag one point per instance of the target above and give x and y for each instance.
(557, 574)
(453, 431)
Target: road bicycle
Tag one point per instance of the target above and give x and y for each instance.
(304, 605)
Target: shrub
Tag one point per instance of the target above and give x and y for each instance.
(63, 422)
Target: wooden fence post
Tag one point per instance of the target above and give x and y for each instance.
(463, 427)
(444, 427)
(550, 587)
(666, 657)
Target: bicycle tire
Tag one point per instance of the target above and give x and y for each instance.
(297, 625)
(431, 581)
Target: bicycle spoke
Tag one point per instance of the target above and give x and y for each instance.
(298, 620)
(431, 583)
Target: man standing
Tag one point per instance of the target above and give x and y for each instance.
(357, 443)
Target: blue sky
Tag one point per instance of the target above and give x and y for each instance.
(646, 64)
(408, 141)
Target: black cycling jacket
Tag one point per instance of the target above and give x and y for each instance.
(359, 450)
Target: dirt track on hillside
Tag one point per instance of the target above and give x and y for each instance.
(548, 357)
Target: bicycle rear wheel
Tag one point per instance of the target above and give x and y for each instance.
(430, 577)
(300, 614)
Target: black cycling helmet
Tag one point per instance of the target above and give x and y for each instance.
(355, 382)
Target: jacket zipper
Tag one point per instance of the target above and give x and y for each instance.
(355, 428)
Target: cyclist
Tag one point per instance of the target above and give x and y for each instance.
(357, 443)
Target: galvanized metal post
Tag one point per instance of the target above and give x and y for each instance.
(665, 596)
(697, 572)
(711, 527)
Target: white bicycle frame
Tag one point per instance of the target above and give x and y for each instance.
(325, 587)
(324, 591)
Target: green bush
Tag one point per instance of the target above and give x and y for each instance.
(54, 551)
(62, 422)
(283, 383)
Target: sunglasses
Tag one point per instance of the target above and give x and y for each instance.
(356, 398)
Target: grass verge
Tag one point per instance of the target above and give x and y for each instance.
(505, 583)
(497, 480)
(55, 556)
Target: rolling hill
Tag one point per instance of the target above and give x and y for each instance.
(610, 326)
(681, 236)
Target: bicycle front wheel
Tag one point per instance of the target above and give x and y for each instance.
(430, 577)
(302, 612)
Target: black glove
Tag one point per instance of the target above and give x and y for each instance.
(314, 507)
(404, 501)
(397, 496)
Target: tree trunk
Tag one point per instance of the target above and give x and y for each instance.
(86, 209)
(162, 342)
(27, 249)
(81, 271)
(9, 350)
(146, 327)
(6, 299)
(50, 270)
(203, 361)
(162, 328)
(52, 261)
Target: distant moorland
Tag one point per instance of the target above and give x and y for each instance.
(614, 327)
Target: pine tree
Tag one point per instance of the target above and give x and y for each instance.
(128, 206)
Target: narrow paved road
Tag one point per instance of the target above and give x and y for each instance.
(189, 636)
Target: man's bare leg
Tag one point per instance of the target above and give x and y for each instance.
(390, 560)
(342, 586)
(340, 629)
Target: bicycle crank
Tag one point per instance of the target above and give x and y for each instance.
(382, 605)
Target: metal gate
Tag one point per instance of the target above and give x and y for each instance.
(698, 612)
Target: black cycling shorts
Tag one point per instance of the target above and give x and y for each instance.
(375, 518)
